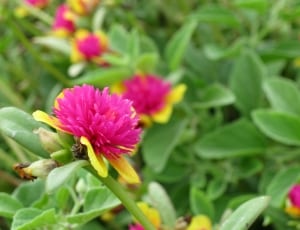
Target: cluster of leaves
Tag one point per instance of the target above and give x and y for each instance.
(235, 136)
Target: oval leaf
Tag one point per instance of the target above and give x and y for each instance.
(200, 203)
(159, 143)
(161, 201)
(246, 214)
(19, 126)
(283, 95)
(9, 205)
(58, 176)
(282, 127)
(233, 140)
(104, 77)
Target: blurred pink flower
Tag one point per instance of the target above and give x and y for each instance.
(153, 98)
(89, 46)
(294, 195)
(64, 21)
(106, 124)
(136, 227)
(37, 3)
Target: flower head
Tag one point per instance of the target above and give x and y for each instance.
(294, 200)
(151, 213)
(64, 21)
(89, 46)
(153, 98)
(37, 3)
(106, 124)
(200, 222)
(83, 7)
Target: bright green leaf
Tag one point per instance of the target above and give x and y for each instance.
(19, 126)
(258, 5)
(214, 96)
(246, 214)
(281, 183)
(246, 81)
(32, 218)
(216, 188)
(59, 176)
(147, 62)
(104, 76)
(283, 95)
(161, 201)
(118, 36)
(237, 139)
(176, 47)
(159, 142)
(282, 127)
(9, 205)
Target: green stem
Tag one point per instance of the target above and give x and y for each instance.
(55, 73)
(126, 200)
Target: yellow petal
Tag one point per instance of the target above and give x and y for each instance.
(163, 115)
(151, 213)
(176, 94)
(103, 40)
(96, 160)
(117, 88)
(49, 120)
(293, 211)
(200, 222)
(125, 170)
(81, 33)
(76, 56)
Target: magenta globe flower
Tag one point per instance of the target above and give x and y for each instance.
(106, 124)
(294, 195)
(64, 21)
(153, 97)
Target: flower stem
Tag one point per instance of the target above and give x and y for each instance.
(126, 200)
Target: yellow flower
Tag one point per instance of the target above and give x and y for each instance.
(200, 222)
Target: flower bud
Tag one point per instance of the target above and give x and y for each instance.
(81, 186)
(49, 140)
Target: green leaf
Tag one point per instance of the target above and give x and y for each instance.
(104, 76)
(246, 81)
(9, 205)
(32, 218)
(176, 47)
(161, 201)
(216, 188)
(19, 126)
(159, 142)
(282, 127)
(214, 96)
(133, 45)
(147, 62)
(24, 192)
(200, 203)
(96, 202)
(281, 49)
(281, 183)
(283, 95)
(118, 36)
(258, 5)
(245, 214)
(55, 43)
(58, 176)
(217, 15)
(237, 139)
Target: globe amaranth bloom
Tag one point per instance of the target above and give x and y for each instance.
(106, 124)
(293, 206)
(153, 98)
(200, 222)
(88, 46)
(151, 213)
(83, 7)
(37, 3)
(64, 21)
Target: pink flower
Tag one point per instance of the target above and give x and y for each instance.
(294, 201)
(106, 124)
(89, 46)
(136, 227)
(64, 21)
(37, 3)
(153, 98)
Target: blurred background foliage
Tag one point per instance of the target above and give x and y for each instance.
(236, 135)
